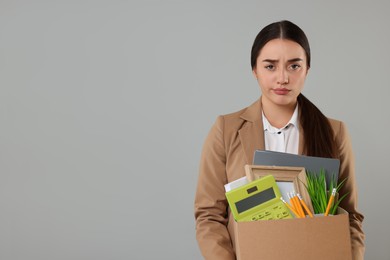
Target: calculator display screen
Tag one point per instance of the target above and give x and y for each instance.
(254, 200)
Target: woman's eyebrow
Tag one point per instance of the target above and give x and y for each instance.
(270, 60)
(295, 60)
(274, 61)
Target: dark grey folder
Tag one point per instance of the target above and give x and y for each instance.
(311, 163)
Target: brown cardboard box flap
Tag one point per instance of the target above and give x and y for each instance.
(309, 238)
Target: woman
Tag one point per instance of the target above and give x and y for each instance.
(283, 120)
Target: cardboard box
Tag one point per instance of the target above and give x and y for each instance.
(309, 238)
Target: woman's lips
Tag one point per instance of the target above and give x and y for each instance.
(281, 91)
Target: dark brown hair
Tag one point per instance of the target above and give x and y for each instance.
(318, 133)
(280, 30)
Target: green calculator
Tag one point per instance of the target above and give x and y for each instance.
(258, 200)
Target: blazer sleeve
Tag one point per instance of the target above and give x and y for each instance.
(210, 202)
(347, 171)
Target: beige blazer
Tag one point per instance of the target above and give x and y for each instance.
(230, 145)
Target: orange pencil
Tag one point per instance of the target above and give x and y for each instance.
(298, 206)
(304, 205)
(290, 208)
(330, 202)
(292, 202)
(295, 203)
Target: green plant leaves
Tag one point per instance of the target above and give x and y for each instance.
(320, 193)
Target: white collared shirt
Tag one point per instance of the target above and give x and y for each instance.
(285, 139)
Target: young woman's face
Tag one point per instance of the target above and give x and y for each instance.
(281, 71)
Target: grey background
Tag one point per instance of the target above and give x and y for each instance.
(104, 107)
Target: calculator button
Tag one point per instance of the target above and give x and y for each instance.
(276, 211)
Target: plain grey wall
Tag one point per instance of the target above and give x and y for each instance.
(104, 107)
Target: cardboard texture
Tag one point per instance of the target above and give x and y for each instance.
(316, 238)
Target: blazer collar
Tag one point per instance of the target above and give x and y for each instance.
(252, 132)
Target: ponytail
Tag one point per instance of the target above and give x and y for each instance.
(318, 133)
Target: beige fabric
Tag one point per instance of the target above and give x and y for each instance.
(230, 145)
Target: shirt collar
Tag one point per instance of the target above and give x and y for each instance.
(293, 121)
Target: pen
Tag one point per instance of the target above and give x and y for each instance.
(290, 208)
(304, 205)
(330, 202)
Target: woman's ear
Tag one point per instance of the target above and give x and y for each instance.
(254, 73)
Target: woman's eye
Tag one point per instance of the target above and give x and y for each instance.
(270, 67)
(295, 66)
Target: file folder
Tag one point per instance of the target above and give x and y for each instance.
(311, 163)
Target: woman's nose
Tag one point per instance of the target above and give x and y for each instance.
(283, 77)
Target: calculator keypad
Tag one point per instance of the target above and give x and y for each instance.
(276, 211)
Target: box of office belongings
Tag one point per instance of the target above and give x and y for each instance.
(318, 237)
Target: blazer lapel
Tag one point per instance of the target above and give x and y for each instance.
(252, 132)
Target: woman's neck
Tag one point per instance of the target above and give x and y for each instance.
(278, 116)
